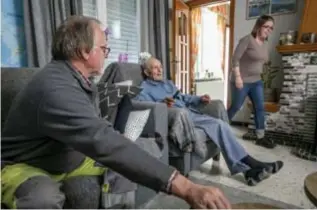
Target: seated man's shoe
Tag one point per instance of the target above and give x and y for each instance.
(265, 142)
(255, 176)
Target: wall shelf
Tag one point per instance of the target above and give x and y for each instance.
(307, 25)
(296, 48)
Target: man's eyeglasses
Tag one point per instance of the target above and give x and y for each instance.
(106, 50)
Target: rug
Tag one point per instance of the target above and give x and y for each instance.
(235, 196)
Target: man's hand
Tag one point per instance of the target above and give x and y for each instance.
(205, 99)
(198, 196)
(169, 101)
(207, 197)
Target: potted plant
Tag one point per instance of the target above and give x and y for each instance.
(268, 75)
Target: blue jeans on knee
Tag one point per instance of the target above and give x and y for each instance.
(255, 92)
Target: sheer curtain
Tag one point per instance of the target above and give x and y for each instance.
(211, 43)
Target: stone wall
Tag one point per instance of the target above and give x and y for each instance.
(294, 124)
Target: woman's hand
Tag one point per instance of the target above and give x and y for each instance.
(239, 82)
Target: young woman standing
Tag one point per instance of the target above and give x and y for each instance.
(247, 63)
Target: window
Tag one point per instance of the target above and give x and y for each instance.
(89, 8)
(211, 44)
(122, 19)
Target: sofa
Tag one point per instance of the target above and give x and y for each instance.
(182, 160)
(14, 79)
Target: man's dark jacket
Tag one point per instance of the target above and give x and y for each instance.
(54, 123)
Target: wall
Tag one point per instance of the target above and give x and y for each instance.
(13, 53)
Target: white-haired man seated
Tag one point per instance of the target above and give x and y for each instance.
(157, 89)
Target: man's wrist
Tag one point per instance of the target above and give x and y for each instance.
(171, 179)
(180, 186)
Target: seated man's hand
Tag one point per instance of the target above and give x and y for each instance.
(169, 101)
(205, 99)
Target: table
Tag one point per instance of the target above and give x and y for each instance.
(253, 206)
(310, 186)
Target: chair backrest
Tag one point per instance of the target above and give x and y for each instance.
(117, 72)
(12, 82)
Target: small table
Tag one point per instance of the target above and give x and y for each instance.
(253, 206)
(310, 186)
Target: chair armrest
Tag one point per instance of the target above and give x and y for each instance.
(159, 121)
(215, 109)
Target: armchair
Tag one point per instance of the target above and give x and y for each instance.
(182, 160)
(188, 161)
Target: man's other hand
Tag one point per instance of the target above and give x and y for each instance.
(169, 101)
(205, 99)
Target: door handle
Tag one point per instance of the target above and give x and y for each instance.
(175, 60)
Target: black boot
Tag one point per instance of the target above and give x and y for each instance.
(265, 142)
(250, 136)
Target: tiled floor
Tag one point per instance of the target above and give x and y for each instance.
(286, 186)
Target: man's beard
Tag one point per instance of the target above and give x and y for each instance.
(96, 76)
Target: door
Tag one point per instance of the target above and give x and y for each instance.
(181, 43)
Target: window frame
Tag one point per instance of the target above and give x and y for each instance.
(102, 16)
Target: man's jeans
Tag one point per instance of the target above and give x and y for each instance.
(255, 93)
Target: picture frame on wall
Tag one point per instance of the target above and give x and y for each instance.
(256, 8)
(282, 6)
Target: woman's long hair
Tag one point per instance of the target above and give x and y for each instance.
(259, 23)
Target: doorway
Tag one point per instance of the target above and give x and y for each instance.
(201, 46)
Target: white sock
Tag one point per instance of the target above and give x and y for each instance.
(260, 133)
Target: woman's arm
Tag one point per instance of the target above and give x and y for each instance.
(238, 53)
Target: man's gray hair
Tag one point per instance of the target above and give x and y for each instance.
(72, 37)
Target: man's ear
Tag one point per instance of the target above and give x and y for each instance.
(147, 72)
(85, 54)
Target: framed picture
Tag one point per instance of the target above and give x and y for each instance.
(256, 8)
(282, 6)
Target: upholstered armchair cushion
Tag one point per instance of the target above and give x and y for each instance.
(12, 82)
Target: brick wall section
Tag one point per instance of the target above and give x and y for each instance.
(294, 124)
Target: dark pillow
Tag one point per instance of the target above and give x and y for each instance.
(124, 108)
(111, 95)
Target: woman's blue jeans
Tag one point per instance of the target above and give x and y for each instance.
(255, 92)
